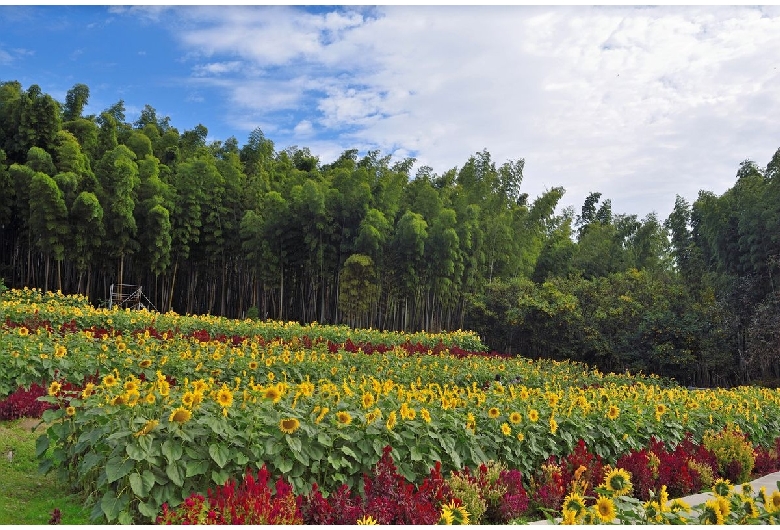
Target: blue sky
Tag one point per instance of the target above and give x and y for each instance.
(638, 103)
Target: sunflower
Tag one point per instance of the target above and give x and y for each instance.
(520, 437)
(574, 502)
(533, 415)
(109, 380)
(150, 398)
(748, 505)
(289, 425)
(553, 425)
(618, 481)
(146, 363)
(569, 517)
(679, 505)
(711, 513)
(23, 331)
(446, 517)
(773, 502)
(605, 509)
(372, 416)
(368, 400)
(147, 428)
(653, 511)
(54, 388)
(722, 487)
(613, 412)
(506, 429)
(121, 399)
(391, 421)
(306, 388)
(131, 386)
(199, 386)
(515, 417)
(88, 390)
(425, 415)
(60, 352)
(272, 393)
(188, 399)
(366, 519)
(180, 415)
(164, 387)
(343, 417)
(70, 411)
(253, 365)
(224, 397)
(321, 414)
(493, 412)
(660, 409)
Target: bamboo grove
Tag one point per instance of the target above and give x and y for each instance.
(248, 230)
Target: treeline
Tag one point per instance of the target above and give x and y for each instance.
(229, 229)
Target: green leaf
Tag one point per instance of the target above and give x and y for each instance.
(142, 484)
(90, 461)
(220, 454)
(293, 443)
(196, 467)
(117, 468)
(111, 505)
(174, 473)
(416, 454)
(172, 450)
(284, 465)
(220, 476)
(348, 451)
(125, 517)
(149, 508)
(325, 439)
(51, 415)
(135, 451)
(41, 445)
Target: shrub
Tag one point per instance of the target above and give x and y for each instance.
(251, 502)
(734, 453)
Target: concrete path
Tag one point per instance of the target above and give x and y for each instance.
(768, 481)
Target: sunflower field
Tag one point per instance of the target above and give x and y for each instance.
(147, 408)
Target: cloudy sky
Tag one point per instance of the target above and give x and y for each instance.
(638, 103)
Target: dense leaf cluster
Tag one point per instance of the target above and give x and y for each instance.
(222, 228)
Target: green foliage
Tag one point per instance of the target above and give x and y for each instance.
(734, 453)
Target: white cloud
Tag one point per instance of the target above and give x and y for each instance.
(5, 57)
(640, 103)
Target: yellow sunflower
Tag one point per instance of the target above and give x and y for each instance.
(146, 363)
(613, 412)
(253, 365)
(391, 421)
(520, 437)
(150, 398)
(553, 425)
(131, 386)
(506, 429)
(533, 415)
(366, 520)
(493, 412)
(54, 388)
(618, 481)
(289, 425)
(147, 428)
(88, 390)
(224, 397)
(575, 503)
(272, 393)
(515, 417)
(368, 400)
(180, 415)
(70, 411)
(569, 517)
(23, 331)
(188, 399)
(343, 417)
(425, 415)
(711, 513)
(679, 505)
(653, 511)
(109, 381)
(722, 487)
(605, 509)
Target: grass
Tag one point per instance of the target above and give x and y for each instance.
(26, 496)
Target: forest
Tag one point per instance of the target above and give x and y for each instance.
(87, 201)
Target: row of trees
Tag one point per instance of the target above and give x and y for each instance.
(90, 201)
